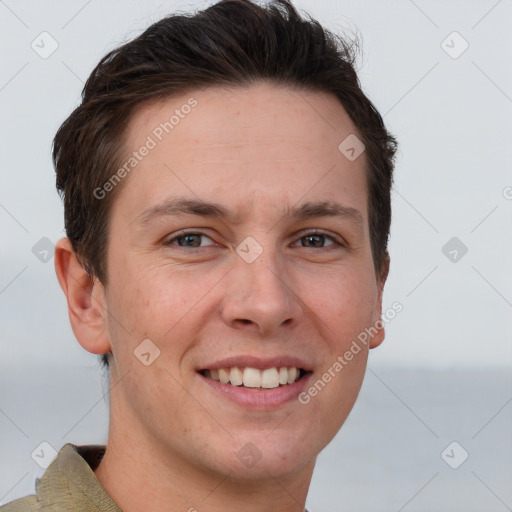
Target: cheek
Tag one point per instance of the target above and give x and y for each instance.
(134, 313)
(159, 303)
(144, 295)
(343, 302)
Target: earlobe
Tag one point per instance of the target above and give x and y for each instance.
(378, 338)
(85, 297)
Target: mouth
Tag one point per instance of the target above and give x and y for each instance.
(256, 379)
(256, 383)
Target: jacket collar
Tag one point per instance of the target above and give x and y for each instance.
(70, 482)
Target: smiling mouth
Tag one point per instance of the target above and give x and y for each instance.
(254, 378)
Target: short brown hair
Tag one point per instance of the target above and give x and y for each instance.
(233, 42)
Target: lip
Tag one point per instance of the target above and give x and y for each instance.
(257, 362)
(258, 399)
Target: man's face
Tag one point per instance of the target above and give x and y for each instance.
(275, 283)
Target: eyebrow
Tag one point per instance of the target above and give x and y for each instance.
(177, 206)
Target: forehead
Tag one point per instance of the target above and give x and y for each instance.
(263, 141)
(241, 115)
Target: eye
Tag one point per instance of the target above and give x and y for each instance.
(195, 239)
(189, 239)
(317, 240)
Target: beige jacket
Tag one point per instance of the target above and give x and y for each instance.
(68, 485)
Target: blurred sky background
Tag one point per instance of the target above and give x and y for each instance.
(439, 72)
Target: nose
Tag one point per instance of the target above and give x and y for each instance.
(260, 298)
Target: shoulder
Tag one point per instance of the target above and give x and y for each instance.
(27, 504)
(67, 482)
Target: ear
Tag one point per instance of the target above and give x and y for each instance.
(86, 300)
(377, 323)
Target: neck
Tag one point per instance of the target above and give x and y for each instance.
(140, 474)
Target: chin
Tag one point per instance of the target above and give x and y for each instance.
(271, 453)
(268, 465)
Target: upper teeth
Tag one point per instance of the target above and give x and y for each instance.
(255, 378)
